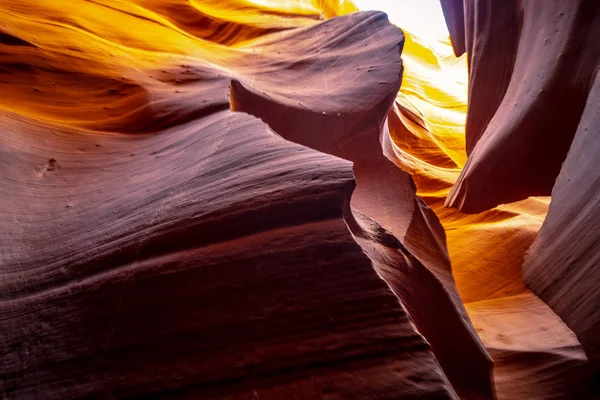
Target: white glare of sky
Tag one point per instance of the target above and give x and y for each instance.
(423, 18)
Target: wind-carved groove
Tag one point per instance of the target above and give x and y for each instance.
(206, 248)
(353, 133)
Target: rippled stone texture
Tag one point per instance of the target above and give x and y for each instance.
(532, 102)
(532, 65)
(162, 243)
(305, 113)
(158, 244)
(563, 264)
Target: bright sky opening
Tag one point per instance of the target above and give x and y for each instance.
(423, 18)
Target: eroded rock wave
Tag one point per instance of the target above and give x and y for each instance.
(205, 255)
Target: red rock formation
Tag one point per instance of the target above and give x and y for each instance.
(159, 242)
(205, 256)
(167, 280)
(305, 112)
(536, 356)
(563, 263)
(531, 64)
(532, 69)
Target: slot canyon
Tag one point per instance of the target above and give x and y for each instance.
(300, 199)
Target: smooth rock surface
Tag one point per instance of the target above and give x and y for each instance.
(158, 245)
(384, 192)
(563, 263)
(532, 65)
(536, 356)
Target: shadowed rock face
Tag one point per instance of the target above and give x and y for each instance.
(532, 128)
(563, 263)
(159, 245)
(384, 192)
(208, 199)
(532, 65)
(173, 283)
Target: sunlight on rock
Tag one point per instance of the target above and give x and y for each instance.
(299, 199)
